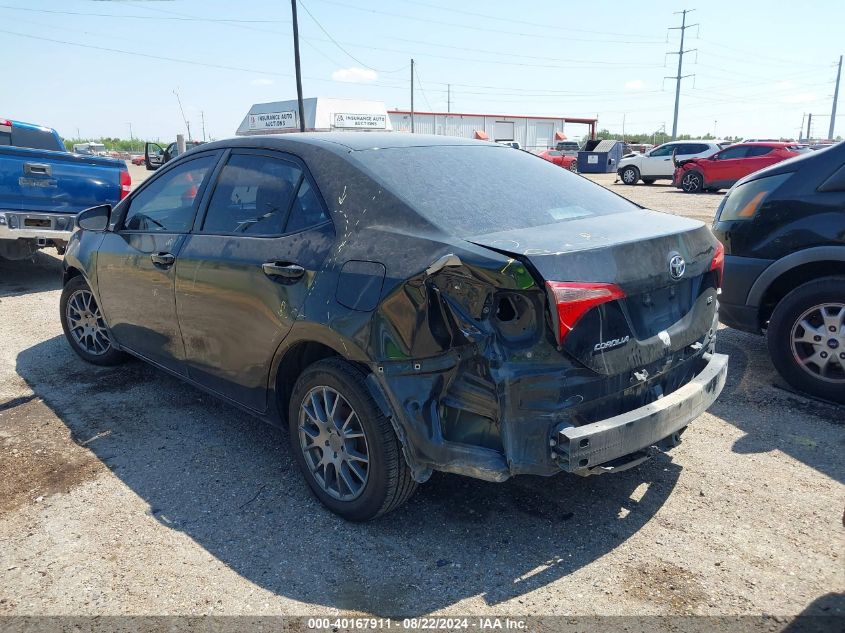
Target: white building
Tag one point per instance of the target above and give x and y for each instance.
(533, 133)
(321, 114)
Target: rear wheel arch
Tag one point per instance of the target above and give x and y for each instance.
(766, 293)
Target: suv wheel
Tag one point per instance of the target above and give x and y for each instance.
(692, 182)
(345, 447)
(806, 338)
(84, 325)
(648, 181)
(630, 175)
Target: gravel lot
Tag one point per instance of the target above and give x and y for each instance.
(124, 491)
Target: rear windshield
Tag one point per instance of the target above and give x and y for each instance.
(35, 138)
(472, 190)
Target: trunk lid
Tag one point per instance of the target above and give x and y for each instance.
(659, 316)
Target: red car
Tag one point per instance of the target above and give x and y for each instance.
(722, 169)
(138, 160)
(562, 160)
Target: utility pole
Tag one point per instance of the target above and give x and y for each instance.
(809, 124)
(202, 114)
(623, 127)
(131, 138)
(835, 97)
(801, 129)
(412, 95)
(448, 97)
(684, 26)
(296, 63)
(187, 123)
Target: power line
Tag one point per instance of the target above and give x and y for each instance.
(419, 83)
(139, 17)
(556, 38)
(346, 52)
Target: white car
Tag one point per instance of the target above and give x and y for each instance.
(657, 164)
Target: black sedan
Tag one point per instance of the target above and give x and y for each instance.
(405, 304)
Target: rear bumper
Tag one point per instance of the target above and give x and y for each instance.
(585, 449)
(26, 225)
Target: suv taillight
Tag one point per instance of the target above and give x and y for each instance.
(718, 263)
(574, 299)
(125, 184)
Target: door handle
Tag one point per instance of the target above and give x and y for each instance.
(164, 260)
(37, 169)
(282, 269)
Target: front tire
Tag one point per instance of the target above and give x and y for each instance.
(573, 166)
(345, 447)
(806, 338)
(692, 182)
(630, 175)
(84, 325)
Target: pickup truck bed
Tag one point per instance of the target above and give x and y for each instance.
(42, 190)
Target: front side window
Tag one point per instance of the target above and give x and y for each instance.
(733, 152)
(168, 203)
(252, 196)
(664, 150)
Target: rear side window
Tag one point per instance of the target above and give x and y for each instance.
(306, 211)
(35, 138)
(253, 196)
(476, 189)
(759, 150)
(167, 204)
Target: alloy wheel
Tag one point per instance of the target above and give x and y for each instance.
(86, 324)
(818, 342)
(629, 176)
(691, 182)
(333, 443)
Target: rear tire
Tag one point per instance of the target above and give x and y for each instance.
(648, 181)
(630, 175)
(692, 182)
(573, 166)
(806, 338)
(346, 448)
(84, 325)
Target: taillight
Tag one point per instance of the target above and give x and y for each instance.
(574, 299)
(125, 184)
(718, 263)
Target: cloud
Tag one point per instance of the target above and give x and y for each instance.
(635, 84)
(799, 97)
(355, 75)
(262, 81)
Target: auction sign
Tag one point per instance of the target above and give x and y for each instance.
(272, 120)
(369, 121)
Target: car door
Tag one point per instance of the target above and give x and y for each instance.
(658, 162)
(135, 262)
(244, 273)
(759, 157)
(723, 166)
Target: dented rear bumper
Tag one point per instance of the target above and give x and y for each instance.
(586, 449)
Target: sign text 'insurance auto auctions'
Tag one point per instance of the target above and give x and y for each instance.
(272, 120)
(374, 121)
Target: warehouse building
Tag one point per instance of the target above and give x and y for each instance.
(533, 133)
(325, 114)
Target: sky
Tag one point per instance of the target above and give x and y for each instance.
(92, 68)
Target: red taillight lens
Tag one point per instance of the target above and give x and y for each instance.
(718, 263)
(125, 184)
(575, 299)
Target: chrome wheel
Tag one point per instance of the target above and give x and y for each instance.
(333, 443)
(818, 342)
(85, 323)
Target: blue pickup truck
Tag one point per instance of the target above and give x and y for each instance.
(43, 187)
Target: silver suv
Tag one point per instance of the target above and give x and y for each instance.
(657, 164)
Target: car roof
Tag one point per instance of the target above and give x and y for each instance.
(31, 126)
(354, 141)
(765, 144)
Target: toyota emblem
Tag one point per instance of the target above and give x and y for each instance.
(677, 266)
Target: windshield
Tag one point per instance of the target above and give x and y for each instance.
(472, 190)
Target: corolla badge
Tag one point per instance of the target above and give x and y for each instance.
(677, 266)
(604, 345)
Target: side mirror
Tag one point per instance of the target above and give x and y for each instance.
(95, 218)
